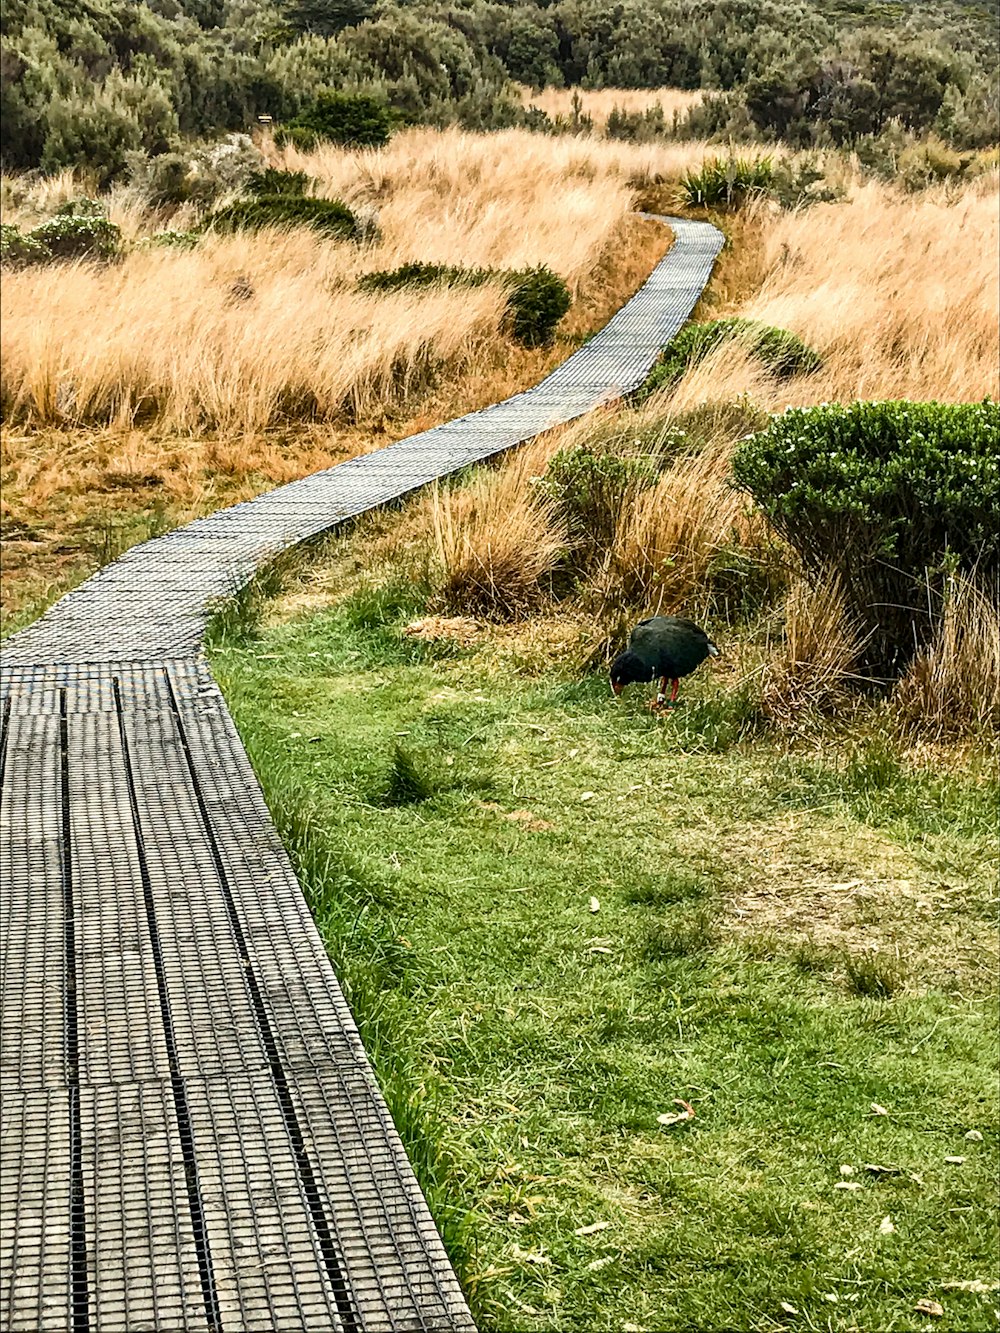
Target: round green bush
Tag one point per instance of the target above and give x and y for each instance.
(18, 248)
(271, 182)
(537, 301)
(355, 120)
(588, 487)
(889, 496)
(328, 216)
(74, 236)
(781, 351)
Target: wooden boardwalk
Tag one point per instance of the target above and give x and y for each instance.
(192, 1137)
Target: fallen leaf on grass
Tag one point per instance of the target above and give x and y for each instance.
(529, 1256)
(668, 1118)
(846, 1169)
(592, 1229)
(885, 1227)
(975, 1284)
(786, 1308)
(954, 1161)
(831, 1296)
(929, 1307)
(595, 906)
(874, 1169)
(847, 1185)
(587, 796)
(600, 1263)
(524, 817)
(974, 1136)
(598, 948)
(878, 1110)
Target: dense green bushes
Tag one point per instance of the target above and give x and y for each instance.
(77, 231)
(890, 497)
(93, 84)
(781, 351)
(537, 302)
(356, 121)
(328, 216)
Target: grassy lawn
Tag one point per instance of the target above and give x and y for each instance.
(557, 917)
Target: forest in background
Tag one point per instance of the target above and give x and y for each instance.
(104, 83)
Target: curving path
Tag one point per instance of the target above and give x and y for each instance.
(192, 1137)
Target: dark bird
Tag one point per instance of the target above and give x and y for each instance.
(662, 646)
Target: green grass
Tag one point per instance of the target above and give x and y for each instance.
(782, 940)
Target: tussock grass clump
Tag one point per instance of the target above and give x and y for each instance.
(952, 686)
(874, 976)
(668, 535)
(818, 656)
(496, 544)
(408, 782)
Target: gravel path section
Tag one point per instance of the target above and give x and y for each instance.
(192, 1137)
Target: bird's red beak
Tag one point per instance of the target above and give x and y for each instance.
(616, 687)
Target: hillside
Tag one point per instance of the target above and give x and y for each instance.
(86, 84)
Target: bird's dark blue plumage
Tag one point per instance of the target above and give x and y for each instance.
(663, 647)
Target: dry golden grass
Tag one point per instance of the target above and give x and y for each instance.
(250, 331)
(817, 656)
(497, 539)
(669, 534)
(599, 103)
(900, 294)
(953, 686)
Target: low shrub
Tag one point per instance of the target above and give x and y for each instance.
(891, 497)
(18, 248)
(79, 236)
(354, 120)
(537, 302)
(271, 182)
(727, 182)
(175, 240)
(328, 216)
(588, 487)
(81, 208)
(781, 351)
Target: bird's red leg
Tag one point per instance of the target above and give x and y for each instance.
(673, 693)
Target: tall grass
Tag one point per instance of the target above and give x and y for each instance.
(899, 294)
(953, 686)
(497, 540)
(817, 655)
(598, 103)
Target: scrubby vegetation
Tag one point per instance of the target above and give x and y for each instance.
(892, 499)
(780, 351)
(329, 217)
(536, 302)
(119, 84)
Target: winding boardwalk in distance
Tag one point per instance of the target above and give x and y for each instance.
(192, 1137)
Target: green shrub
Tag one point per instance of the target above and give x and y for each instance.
(328, 216)
(727, 181)
(81, 208)
(18, 248)
(271, 182)
(71, 236)
(355, 120)
(782, 352)
(890, 497)
(174, 240)
(588, 487)
(538, 297)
